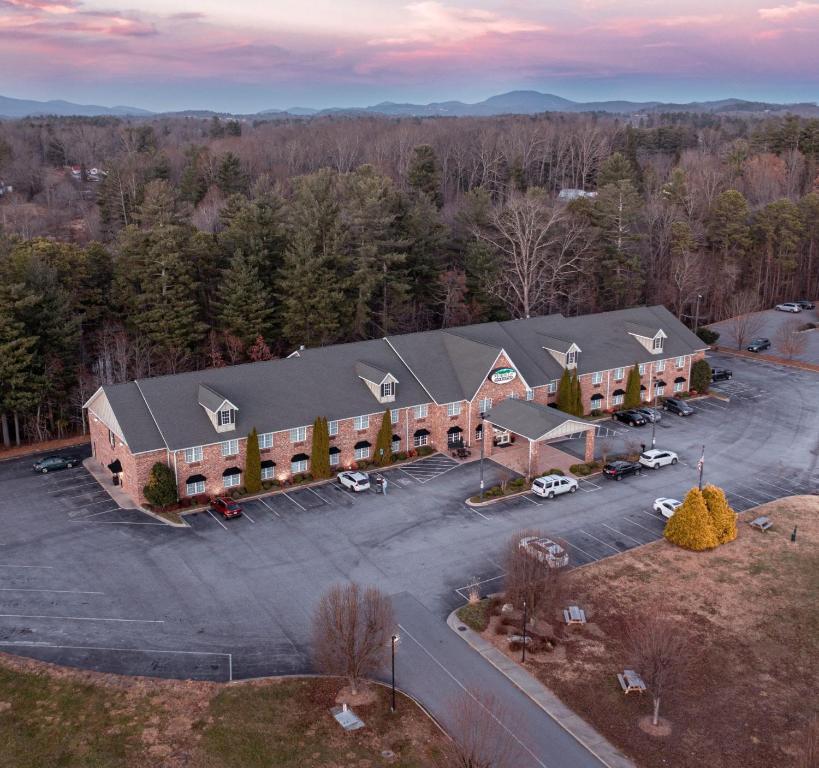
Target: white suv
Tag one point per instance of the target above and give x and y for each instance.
(655, 458)
(355, 481)
(789, 306)
(550, 486)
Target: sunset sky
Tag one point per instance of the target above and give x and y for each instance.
(247, 55)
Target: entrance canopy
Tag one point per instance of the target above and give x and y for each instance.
(535, 421)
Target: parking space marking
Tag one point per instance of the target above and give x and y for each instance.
(80, 618)
(580, 549)
(316, 493)
(481, 514)
(112, 522)
(217, 519)
(653, 515)
(765, 494)
(303, 509)
(636, 541)
(778, 487)
(269, 507)
(9, 565)
(631, 522)
(476, 583)
(586, 533)
(104, 512)
(245, 514)
(755, 502)
(529, 498)
(53, 591)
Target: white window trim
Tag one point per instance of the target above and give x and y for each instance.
(485, 404)
(387, 389)
(421, 411)
(268, 473)
(530, 394)
(597, 377)
(192, 455)
(362, 453)
(660, 366)
(232, 481)
(266, 440)
(230, 418)
(617, 399)
(332, 428)
(395, 446)
(395, 415)
(419, 440)
(361, 423)
(453, 409)
(298, 467)
(551, 387)
(619, 374)
(194, 489)
(678, 386)
(227, 448)
(298, 434)
(681, 362)
(642, 369)
(659, 391)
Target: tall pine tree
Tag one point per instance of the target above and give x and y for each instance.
(320, 456)
(383, 443)
(245, 306)
(632, 399)
(253, 463)
(565, 393)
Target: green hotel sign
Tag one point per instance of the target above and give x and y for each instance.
(503, 375)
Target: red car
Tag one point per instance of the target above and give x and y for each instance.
(226, 507)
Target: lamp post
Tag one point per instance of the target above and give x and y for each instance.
(523, 650)
(483, 436)
(392, 706)
(654, 431)
(697, 313)
(701, 464)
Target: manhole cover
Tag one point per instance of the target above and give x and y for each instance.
(462, 628)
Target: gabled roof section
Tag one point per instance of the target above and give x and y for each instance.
(646, 331)
(471, 361)
(533, 420)
(211, 400)
(138, 427)
(373, 374)
(558, 345)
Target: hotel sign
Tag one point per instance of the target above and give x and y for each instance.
(503, 375)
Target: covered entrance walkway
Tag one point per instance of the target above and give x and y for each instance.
(534, 427)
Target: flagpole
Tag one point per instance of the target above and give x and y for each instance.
(701, 465)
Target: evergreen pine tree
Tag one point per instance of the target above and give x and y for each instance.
(320, 457)
(17, 357)
(690, 526)
(161, 487)
(424, 174)
(245, 306)
(632, 399)
(565, 392)
(577, 395)
(723, 518)
(253, 463)
(700, 376)
(383, 443)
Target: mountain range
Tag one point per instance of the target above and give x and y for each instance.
(513, 102)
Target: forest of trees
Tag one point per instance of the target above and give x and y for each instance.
(210, 242)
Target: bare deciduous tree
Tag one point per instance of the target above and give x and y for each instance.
(745, 320)
(657, 650)
(790, 342)
(809, 753)
(530, 578)
(351, 631)
(479, 737)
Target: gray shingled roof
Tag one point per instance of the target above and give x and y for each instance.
(529, 419)
(210, 399)
(370, 372)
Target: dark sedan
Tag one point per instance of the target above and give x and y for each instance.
(54, 463)
(759, 345)
(805, 304)
(617, 470)
(720, 374)
(631, 416)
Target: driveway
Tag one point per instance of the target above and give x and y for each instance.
(83, 583)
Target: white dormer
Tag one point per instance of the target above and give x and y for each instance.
(651, 338)
(382, 384)
(567, 353)
(221, 412)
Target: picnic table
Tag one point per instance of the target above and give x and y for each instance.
(574, 615)
(631, 682)
(762, 523)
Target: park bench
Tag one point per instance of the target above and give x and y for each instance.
(574, 615)
(631, 682)
(762, 523)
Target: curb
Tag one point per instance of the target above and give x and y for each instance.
(38, 448)
(539, 694)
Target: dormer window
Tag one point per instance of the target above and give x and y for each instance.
(571, 359)
(220, 411)
(381, 383)
(387, 389)
(657, 344)
(227, 417)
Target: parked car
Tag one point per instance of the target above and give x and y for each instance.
(666, 507)
(720, 374)
(654, 458)
(617, 470)
(680, 407)
(805, 304)
(53, 463)
(225, 507)
(545, 550)
(789, 306)
(550, 486)
(757, 345)
(354, 481)
(631, 416)
(652, 415)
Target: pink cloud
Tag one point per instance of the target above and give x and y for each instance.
(787, 12)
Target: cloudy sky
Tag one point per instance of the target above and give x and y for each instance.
(247, 55)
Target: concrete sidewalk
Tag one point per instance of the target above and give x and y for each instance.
(606, 752)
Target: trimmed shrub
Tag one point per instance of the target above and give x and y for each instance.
(235, 494)
(267, 485)
(383, 443)
(596, 412)
(160, 489)
(707, 335)
(320, 454)
(632, 399)
(425, 450)
(691, 526)
(723, 517)
(555, 471)
(579, 469)
(700, 376)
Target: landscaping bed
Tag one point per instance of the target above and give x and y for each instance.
(53, 716)
(750, 614)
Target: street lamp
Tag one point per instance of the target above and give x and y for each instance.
(654, 430)
(697, 313)
(395, 639)
(483, 436)
(523, 650)
(701, 465)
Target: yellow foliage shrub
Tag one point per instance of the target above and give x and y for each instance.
(690, 526)
(723, 518)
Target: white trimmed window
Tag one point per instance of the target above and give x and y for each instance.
(268, 473)
(396, 446)
(571, 358)
(551, 387)
(659, 391)
(513, 396)
(657, 344)
(530, 394)
(680, 362)
(679, 386)
(453, 409)
(617, 400)
(597, 377)
(332, 428)
(619, 373)
(644, 394)
(298, 466)
(230, 447)
(193, 454)
(419, 440)
(388, 389)
(659, 366)
(642, 369)
(232, 481)
(484, 404)
(395, 413)
(362, 453)
(266, 440)
(194, 489)
(112, 439)
(421, 411)
(228, 416)
(335, 458)
(298, 434)
(361, 422)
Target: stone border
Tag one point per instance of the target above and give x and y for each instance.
(571, 722)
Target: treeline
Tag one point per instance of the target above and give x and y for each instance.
(213, 242)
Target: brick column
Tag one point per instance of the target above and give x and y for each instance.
(589, 454)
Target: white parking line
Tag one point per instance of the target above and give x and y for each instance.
(245, 514)
(80, 618)
(478, 583)
(91, 503)
(270, 508)
(316, 493)
(217, 519)
(627, 520)
(614, 549)
(52, 591)
(580, 549)
(401, 469)
(636, 541)
(111, 522)
(774, 485)
(653, 515)
(21, 644)
(104, 512)
(295, 502)
(472, 509)
(8, 565)
(740, 496)
(529, 498)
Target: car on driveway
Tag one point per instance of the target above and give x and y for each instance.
(758, 345)
(652, 415)
(678, 406)
(54, 463)
(805, 304)
(666, 507)
(721, 374)
(545, 550)
(225, 507)
(354, 481)
(630, 416)
(550, 486)
(789, 306)
(655, 458)
(617, 470)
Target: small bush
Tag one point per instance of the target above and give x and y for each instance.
(401, 455)
(580, 469)
(555, 471)
(595, 412)
(266, 485)
(426, 450)
(517, 483)
(308, 477)
(234, 494)
(242, 490)
(185, 502)
(475, 615)
(500, 629)
(707, 335)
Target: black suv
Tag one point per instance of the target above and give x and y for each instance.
(680, 407)
(632, 417)
(52, 463)
(805, 304)
(757, 345)
(617, 470)
(720, 374)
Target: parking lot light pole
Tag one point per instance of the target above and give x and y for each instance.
(483, 435)
(697, 312)
(392, 706)
(654, 431)
(523, 650)
(701, 465)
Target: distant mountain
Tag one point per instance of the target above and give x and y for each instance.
(26, 108)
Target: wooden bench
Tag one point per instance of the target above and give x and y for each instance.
(631, 682)
(761, 523)
(574, 615)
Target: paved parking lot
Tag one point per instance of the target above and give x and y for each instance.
(85, 583)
